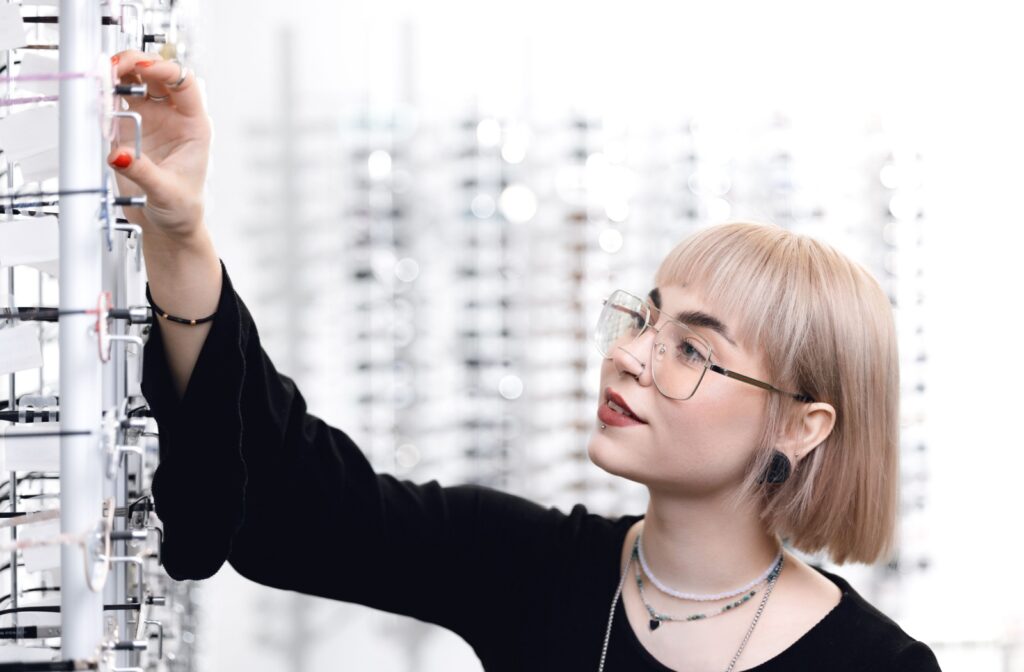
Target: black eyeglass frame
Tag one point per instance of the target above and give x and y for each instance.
(708, 364)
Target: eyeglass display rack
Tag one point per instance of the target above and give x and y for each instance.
(900, 263)
(341, 196)
(81, 574)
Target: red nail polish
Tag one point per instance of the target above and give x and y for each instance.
(123, 160)
(114, 60)
(144, 64)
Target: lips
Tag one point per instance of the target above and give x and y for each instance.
(618, 404)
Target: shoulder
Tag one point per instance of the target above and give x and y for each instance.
(870, 637)
(915, 657)
(585, 539)
(562, 540)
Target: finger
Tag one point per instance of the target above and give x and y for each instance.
(124, 64)
(128, 68)
(174, 79)
(124, 73)
(143, 172)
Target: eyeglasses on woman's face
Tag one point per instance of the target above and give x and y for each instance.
(679, 356)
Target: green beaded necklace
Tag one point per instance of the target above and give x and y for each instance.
(657, 618)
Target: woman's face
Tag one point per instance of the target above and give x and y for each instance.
(696, 446)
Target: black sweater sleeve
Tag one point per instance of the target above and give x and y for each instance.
(247, 475)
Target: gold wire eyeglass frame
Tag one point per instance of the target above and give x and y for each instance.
(697, 337)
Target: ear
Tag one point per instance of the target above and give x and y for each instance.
(810, 425)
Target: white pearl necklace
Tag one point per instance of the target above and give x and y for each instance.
(694, 596)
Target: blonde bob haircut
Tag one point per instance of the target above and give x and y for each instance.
(824, 327)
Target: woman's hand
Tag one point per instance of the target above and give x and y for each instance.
(175, 146)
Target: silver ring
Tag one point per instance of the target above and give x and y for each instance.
(183, 74)
(157, 99)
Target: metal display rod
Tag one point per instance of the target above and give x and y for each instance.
(81, 461)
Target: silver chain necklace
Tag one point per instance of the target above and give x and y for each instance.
(618, 591)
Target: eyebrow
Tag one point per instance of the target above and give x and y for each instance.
(695, 318)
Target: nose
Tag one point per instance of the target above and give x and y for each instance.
(627, 358)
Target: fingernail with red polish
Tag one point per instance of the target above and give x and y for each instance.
(122, 160)
(144, 64)
(115, 60)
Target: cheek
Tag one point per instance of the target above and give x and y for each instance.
(712, 431)
(709, 437)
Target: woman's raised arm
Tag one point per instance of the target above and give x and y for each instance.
(181, 263)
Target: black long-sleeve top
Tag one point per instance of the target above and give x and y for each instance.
(247, 475)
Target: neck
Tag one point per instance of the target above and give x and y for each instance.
(699, 545)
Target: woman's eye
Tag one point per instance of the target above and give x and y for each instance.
(690, 351)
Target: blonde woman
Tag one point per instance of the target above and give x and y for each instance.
(753, 390)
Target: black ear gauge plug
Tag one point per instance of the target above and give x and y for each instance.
(778, 470)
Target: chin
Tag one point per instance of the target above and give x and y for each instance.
(614, 459)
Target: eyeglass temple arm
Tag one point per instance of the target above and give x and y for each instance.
(753, 381)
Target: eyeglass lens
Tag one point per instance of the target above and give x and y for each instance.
(680, 358)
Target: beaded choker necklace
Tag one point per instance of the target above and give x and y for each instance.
(695, 596)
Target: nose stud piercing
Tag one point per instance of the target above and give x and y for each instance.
(643, 365)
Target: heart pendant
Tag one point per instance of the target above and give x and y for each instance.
(654, 624)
